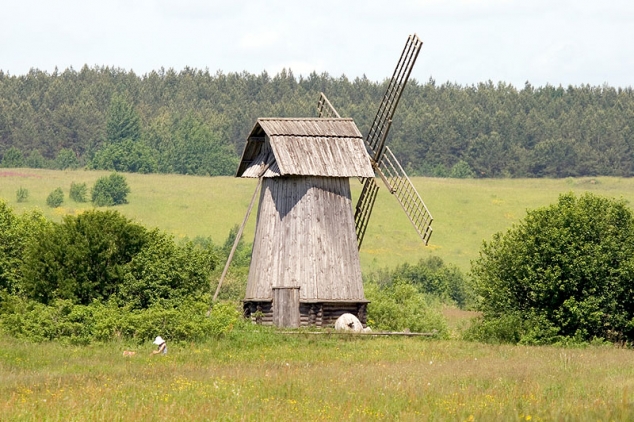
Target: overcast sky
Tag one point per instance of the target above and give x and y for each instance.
(543, 42)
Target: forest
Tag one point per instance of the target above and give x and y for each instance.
(196, 122)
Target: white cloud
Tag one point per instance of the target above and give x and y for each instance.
(259, 39)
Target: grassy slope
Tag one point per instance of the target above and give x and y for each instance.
(466, 212)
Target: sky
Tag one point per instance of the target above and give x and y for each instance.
(555, 42)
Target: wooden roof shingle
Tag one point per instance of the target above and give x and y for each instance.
(329, 147)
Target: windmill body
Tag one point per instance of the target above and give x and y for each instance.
(305, 268)
(305, 256)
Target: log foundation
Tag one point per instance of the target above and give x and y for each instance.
(311, 313)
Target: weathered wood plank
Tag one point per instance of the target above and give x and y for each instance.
(286, 307)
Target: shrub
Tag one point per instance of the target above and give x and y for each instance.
(67, 322)
(35, 160)
(110, 190)
(78, 192)
(101, 255)
(401, 306)
(16, 233)
(565, 272)
(56, 198)
(126, 155)
(83, 258)
(22, 195)
(430, 276)
(12, 158)
(163, 272)
(461, 170)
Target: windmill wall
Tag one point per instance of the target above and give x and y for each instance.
(305, 238)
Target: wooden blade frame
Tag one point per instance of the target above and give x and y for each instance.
(383, 119)
(402, 188)
(396, 180)
(325, 108)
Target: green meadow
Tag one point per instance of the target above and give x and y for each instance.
(264, 375)
(466, 211)
(271, 377)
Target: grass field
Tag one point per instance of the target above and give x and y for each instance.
(269, 376)
(266, 376)
(466, 212)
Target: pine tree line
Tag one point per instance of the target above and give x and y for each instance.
(196, 122)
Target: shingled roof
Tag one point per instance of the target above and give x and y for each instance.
(329, 147)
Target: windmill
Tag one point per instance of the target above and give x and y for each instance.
(305, 268)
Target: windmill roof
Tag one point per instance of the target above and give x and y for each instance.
(329, 147)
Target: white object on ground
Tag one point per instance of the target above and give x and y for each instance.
(348, 322)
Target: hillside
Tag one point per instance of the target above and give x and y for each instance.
(194, 122)
(466, 211)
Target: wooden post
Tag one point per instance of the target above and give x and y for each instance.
(239, 234)
(286, 307)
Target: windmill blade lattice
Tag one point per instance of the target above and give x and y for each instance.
(391, 170)
(364, 207)
(325, 108)
(402, 188)
(383, 119)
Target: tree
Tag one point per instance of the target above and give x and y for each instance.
(12, 158)
(563, 273)
(55, 199)
(66, 159)
(78, 192)
(110, 190)
(123, 121)
(16, 232)
(83, 258)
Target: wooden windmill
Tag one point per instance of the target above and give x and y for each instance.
(305, 268)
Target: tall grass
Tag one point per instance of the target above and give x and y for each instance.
(466, 211)
(265, 376)
(261, 375)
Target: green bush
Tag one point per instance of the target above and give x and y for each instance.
(101, 254)
(78, 192)
(35, 160)
(401, 306)
(56, 198)
(164, 272)
(430, 276)
(16, 233)
(12, 158)
(126, 156)
(83, 258)
(64, 321)
(565, 272)
(461, 170)
(22, 195)
(110, 190)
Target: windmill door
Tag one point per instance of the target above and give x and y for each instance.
(286, 307)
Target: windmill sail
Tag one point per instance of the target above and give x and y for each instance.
(364, 207)
(402, 188)
(325, 108)
(391, 170)
(383, 119)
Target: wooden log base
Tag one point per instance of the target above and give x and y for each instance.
(311, 313)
